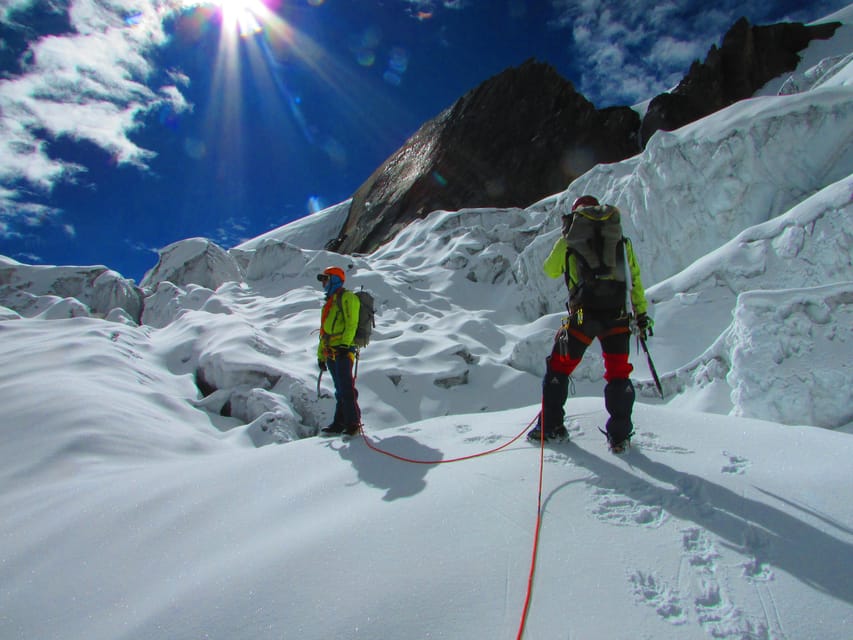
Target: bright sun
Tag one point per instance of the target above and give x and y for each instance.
(242, 15)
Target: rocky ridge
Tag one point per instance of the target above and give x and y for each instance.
(527, 133)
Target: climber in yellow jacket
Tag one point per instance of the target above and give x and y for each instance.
(592, 255)
(336, 353)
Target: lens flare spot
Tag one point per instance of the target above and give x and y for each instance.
(195, 148)
(398, 60)
(366, 58)
(315, 204)
(335, 151)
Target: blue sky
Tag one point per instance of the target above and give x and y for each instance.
(127, 126)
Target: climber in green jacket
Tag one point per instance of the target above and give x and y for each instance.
(336, 351)
(593, 257)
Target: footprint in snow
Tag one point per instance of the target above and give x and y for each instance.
(575, 429)
(737, 464)
(491, 439)
(618, 509)
(706, 580)
(651, 590)
(651, 442)
(410, 429)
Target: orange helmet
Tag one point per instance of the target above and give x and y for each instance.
(584, 201)
(332, 271)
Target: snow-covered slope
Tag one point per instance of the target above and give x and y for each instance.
(137, 499)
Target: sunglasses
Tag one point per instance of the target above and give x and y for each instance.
(322, 277)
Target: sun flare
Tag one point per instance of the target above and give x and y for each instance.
(242, 15)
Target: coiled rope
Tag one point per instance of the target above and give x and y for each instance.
(529, 594)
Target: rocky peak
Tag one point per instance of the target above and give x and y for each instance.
(748, 58)
(518, 137)
(526, 133)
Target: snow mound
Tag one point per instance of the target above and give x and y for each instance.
(197, 261)
(312, 232)
(691, 189)
(75, 291)
(785, 348)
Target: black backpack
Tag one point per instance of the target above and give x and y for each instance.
(594, 236)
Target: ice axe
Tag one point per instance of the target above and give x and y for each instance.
(652, 366)
(319, 393)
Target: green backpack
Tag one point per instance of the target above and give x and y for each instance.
(594, 236)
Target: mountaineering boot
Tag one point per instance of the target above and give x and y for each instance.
(351, 430)
(620, 446)
(619, 401)
(557, 435)
(333, 429)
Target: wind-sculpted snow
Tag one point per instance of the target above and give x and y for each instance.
(829, 71)
(755, 197)
(195, 261)
(312, 232)
(790, 355)
(690, 191)
(809, 246)
(64, 292)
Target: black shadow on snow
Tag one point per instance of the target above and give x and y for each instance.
(747, 526)
(399, 479)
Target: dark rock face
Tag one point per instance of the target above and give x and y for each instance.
(520, 136)
(527, 133)
(748, 58)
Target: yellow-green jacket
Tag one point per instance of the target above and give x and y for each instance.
(338, 322)
(555, 266)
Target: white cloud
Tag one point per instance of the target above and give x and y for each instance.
(9, 7)
(90, 85)
(430, 5)
(668, 52)
(628, 51)
(6, 231)
(18, 218)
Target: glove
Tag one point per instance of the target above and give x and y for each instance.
(322, 365)
(645, 325)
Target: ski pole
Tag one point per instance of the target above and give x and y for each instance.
(652, 366)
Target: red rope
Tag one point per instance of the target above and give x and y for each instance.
(460, 459)
(528, 596)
